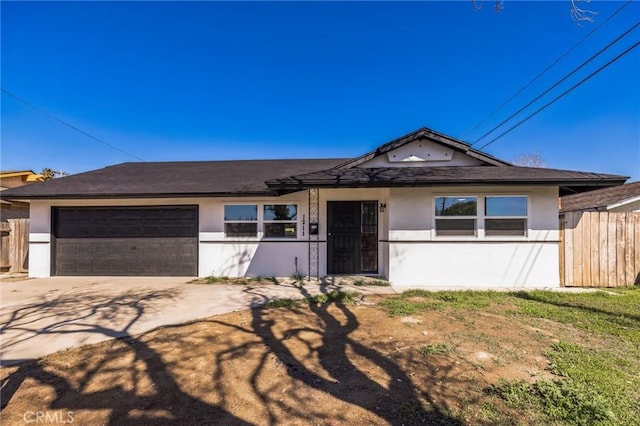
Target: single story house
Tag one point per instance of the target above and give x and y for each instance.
(623, 198)
(422, 210)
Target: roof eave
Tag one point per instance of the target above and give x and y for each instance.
(302, 185)
(143, 195)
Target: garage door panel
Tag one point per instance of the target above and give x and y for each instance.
(115, 222)
(151, 241)
(126, 256)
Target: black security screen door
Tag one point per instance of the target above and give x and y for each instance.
(352, 237)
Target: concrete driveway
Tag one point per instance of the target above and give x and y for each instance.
(44, 315)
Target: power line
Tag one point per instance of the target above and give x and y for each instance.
(523, 88)
(59, 120)
(561, 95)
(556, 84)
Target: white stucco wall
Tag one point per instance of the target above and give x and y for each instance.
(217, 255)
(235, 257)
(410, 255)
(419, 258)
(221, 256)
(474, 265)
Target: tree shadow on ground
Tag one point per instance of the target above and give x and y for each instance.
(81, 313)
(173, 375)
(397, 401)
(86, 313)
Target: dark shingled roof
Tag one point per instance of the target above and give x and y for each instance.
(432, 176)
(172, 179)
(273, 177)
(600, 199)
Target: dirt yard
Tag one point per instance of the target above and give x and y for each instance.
(322, 364)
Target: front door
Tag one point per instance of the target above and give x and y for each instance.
(352, 237)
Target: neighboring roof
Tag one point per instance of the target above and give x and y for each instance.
(16, 178)
(172, 179)
(602, 198)
(451, 175)
(29, 174)
(12, 173)
(425, 133)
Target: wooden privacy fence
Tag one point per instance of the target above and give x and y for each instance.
(599, 249)
(14, 245)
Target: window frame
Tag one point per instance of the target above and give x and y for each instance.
(260, 222)
(437, 217)
(280, 221)
(225, 221)
(524, 217)
(480, 217)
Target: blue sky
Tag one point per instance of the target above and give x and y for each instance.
(215, 80)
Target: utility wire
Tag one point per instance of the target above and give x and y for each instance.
(556, 84)
(561, 95)
(523, 88)
(59, 120)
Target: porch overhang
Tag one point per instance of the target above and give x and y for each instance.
(568, 181)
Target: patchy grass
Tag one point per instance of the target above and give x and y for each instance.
(371, 283)
(603, 383)
(599, 382)
(415, 301)
(562, 401)
(299, 278)
(436, 349)
(614, 313)
(283, 303)
(596, 378)
(335, 296)
(211, 279)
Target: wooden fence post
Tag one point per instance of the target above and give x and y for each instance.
(563, 221)
(18, 245)
(4, 245)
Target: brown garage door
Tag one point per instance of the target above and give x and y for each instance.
(148, 241)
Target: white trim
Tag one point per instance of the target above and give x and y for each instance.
(39, 237)
(623, 203)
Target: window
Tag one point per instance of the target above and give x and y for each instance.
(273, 220)
(456, 216)
(495, 215)
(505, 215)
(280, 221)
(241, 220)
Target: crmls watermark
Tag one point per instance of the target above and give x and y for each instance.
(48, 417)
